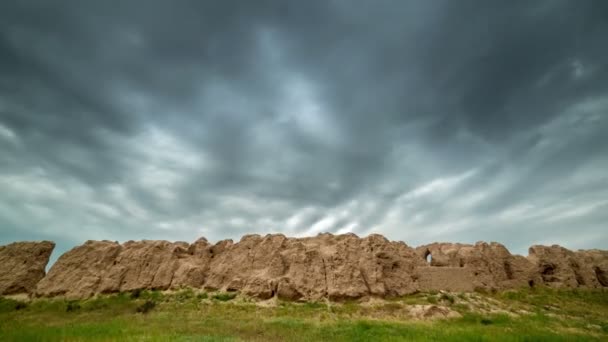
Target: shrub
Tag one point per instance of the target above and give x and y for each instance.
(447, 298)
(315, 305)
(485, 321)
(224, 297)
(146, 306)
(7, 305)
(96, 304)
(184, 295)
(202, 295)
(72, 306)
(136, 293)
(20, 305)
(154, 295)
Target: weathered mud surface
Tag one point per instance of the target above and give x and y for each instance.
(336, 267)
(22, 265)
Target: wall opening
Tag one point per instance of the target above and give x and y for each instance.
(428, 257)
(548, 270)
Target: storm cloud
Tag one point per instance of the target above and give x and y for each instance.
(420, 120)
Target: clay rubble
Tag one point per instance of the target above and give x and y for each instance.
(324, 267)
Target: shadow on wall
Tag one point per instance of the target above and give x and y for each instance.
(602, 277)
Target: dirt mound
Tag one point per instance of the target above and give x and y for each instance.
(335, 267)
(22, 265)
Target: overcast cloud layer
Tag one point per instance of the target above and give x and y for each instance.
(420, 120)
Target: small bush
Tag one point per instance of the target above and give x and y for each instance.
(146, 306)
(315, 305)
(72, 306)
(447, 298)
(432, 299)
(96, 304)
(7, 305)
(20, 305)
(184, 295)
(224, 297)
(136, 294)
(202, 295)
(514, 295)
(485, 321)
(154, 295)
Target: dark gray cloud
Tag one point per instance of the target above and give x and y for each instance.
(442, 120)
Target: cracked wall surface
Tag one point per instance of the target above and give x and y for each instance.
(336, 267)
(22, 266)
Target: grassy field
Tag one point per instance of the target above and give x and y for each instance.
(526, 315)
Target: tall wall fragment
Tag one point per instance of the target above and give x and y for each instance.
(22, 265)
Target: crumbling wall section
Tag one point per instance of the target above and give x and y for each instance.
(22, 266)
(559, 267)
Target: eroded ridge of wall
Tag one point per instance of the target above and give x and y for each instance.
(562, 268)
(329, 266)
(22, 265)
(107, 267)
(325, 266)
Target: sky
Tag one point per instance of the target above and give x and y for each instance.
(420, 120)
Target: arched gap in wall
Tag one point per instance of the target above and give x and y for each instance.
(428, 257)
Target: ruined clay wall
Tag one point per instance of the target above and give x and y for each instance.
(562, 268)
(22, 265)
(326, 266)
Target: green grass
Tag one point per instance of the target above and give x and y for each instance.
(549, 315)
